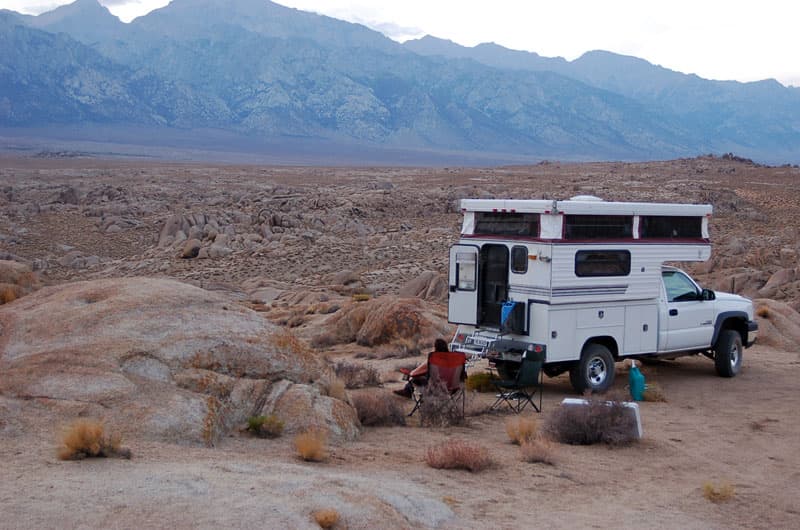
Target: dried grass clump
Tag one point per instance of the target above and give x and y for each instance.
(763, 311)
(361, 297)
(87, 438)
(437, 408)
(538, 450)
(721, 493)
(285, 341)
(378, 408)
(600, 421)
(8, 294)
(521, 429)
(336, 389)
(481, 382)
(356, 375)
(311, 445)
(326, 518)
(265, 426)
(653, 392)
(457, 454)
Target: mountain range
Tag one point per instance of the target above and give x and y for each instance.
(251, 75)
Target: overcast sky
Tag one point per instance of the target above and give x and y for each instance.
(734, 39)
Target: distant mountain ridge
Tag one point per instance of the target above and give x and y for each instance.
(255, 68)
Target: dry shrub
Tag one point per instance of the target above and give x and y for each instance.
(520, 429)
(600, 421)
(336, 389)
(285, 341)
(538, 450)
(356, 375)
(265, 426)
(378, 408)
(481, 382)
(722, 493)
(437, 408)
(323, 340)
(326, 518)
(361, 297)
(457, 454)
(653, 392)
(763, 311)
(87, 438)
(8, 294)
(311, 445)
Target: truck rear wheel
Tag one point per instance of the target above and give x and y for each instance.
(595, 370)
(728, 353)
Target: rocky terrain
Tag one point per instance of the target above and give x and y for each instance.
(173, 301)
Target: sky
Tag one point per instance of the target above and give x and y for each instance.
(735, 39)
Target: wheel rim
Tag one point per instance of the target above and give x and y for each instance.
(734, 356)
(597, 372)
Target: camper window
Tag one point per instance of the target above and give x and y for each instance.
(602, 263)
(465, 271)
(598, 227)
(664, 226)
(519, 259)
(507, 224)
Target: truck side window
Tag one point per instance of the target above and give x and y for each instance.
(519, 259)
(679, 287)
(602, 263)
(465, 271)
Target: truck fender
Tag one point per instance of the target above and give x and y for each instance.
(721, 318)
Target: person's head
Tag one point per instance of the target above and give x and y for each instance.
(440, 345)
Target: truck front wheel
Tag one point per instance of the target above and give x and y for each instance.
(728, 353)
(595, 370)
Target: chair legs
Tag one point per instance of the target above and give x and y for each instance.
(520, 396)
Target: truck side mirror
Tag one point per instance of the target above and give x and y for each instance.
(708, 294)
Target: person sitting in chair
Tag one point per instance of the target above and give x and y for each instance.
(419, 375)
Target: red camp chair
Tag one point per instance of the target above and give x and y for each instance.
(446, 371)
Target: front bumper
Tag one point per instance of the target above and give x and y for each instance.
(752, 333)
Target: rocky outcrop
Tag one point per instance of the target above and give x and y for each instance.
(162, 359)
(429, 286)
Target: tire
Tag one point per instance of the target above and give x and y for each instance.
(595, 371)
(728, 353)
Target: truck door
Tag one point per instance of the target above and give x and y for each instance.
(463, 281)
(689, 321)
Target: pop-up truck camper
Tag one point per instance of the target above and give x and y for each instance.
(583, 281)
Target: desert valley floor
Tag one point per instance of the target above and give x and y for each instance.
(168, 300)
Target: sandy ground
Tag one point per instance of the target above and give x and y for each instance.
(742, 431)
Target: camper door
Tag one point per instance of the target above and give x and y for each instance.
(463, 280)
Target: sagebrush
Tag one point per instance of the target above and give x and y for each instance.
(378, 409)
(600, 421)
(356, 375)
(265, 426)
(88, 438)
(458, 454)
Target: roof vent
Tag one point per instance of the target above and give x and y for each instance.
(586, 198)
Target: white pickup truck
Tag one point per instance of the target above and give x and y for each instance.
(583, 282)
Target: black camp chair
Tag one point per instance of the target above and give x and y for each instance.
(518, 392)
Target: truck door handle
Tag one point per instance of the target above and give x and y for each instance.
(452, 288)
(673, 312)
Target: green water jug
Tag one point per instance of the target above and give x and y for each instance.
(636, 382)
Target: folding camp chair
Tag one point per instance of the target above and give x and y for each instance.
(524, 386)
(446, 374)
